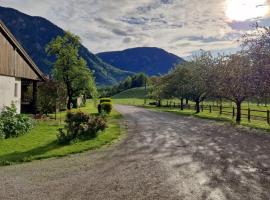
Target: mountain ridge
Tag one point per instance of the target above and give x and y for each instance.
(34, 33)
(150, 60)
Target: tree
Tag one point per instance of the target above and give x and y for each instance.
(69, 68)
(138, 80)
(197, 77)
(156, 91)
(51, 96)
(234, 80)
(175, 84)
(257, 46)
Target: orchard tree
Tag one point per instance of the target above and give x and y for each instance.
(71, 69)
(156, 90)
(176, 83)
(234, 80)
(197, 76)
(257, 45)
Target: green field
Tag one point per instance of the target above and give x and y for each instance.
(134, 96)
(129, 98)
(41, 141)
(136, 93)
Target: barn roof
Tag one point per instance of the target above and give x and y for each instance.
(21, 50)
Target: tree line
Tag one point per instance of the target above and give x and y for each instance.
(137, 80)
(236, 77)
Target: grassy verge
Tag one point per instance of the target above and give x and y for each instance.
(257, 124)
(41, 142)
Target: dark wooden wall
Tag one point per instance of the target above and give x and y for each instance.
(12, 63)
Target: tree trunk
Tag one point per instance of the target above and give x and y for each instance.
(197, 106)
(238, 112)
(159, 103)
(34, 97)
(70, 94)
(182, 104)
(186, 101)
(69, 102)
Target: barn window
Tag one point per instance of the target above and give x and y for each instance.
(16, 90)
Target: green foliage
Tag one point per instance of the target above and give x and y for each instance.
(105, 107)
(157, 90)
(140, 93)
(13, 124)
(135, 81)
(41, 142)
(71, 69)
(51, 96)
(80, 126)
(103, 100)
(188, 80)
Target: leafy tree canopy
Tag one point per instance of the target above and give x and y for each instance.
(71, 69)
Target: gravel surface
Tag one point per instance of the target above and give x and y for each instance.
(164, 156)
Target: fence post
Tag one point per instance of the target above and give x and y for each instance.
(268, 116)
(233, 111)
(249, 115)
(220, 110)
(210, 108)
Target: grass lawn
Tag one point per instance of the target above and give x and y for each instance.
(129, 98)
(215, 116)
(135, 93)
(41, 142)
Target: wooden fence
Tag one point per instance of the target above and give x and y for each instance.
(250, 114)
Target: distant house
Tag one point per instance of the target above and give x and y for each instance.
(18, 74)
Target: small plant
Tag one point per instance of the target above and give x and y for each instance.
(105, 106)
(13, 124)
(80, 126)
(103, 100)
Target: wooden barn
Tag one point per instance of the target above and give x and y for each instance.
(18, 74)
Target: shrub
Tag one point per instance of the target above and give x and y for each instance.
(105, 107)
(105, 100)
(80, 126)
(153, 103)
(51, 97)
(13, 124)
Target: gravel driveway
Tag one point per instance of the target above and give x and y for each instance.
(164, 156)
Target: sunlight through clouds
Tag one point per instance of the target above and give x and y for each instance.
(241, 10)
(178, 26)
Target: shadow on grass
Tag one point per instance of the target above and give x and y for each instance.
(27, 156)
(39, 152)
(208, 117)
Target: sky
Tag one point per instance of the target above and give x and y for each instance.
(182, 27)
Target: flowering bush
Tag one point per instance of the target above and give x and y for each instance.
(13, 124)
(80, 126)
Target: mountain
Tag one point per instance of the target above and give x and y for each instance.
(34, 33)
(150, 60)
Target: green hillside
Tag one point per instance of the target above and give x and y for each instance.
(138, 93)
(34, 33)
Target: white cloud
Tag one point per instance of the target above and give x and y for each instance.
(179, 26)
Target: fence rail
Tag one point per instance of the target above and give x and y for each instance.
(250, 114)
